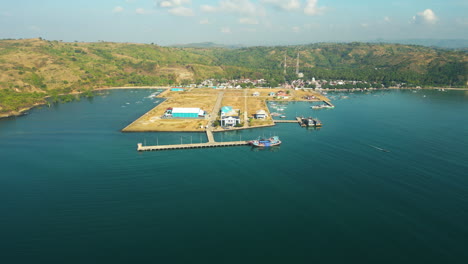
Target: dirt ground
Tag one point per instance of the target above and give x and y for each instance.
(205, 99)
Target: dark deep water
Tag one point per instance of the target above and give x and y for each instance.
(73, 189)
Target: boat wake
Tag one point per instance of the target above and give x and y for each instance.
(381, 149)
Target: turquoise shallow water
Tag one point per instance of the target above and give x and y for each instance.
(73, 189)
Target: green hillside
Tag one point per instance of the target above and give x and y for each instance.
(33, 68)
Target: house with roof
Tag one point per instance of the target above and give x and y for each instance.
(181, 112)
(271, 94)
(256, 94)
(229, 116)
(177, 89)
(282, 94)
(229, 121)
(261, 114)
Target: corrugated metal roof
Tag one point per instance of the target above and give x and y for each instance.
(180, 110)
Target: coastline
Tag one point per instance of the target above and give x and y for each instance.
(22, 111)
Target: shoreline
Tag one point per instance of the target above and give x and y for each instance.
(23, 111)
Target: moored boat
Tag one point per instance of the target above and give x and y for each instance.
(269, 142)
(312, 122)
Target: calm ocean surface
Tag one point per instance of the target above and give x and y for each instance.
(73, 188)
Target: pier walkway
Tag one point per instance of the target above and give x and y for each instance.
(298, 120)
(209, 135)
(192, 146)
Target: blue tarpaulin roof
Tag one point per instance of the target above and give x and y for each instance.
(226, 109)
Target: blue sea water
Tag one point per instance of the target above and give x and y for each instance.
(73, 188)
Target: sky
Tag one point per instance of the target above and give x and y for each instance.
(233, 22)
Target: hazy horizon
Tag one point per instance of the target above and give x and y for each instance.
(234, 22)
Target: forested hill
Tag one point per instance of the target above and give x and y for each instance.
(46, 66)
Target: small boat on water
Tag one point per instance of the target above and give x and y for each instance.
(312, 122)
(322, 106)
(283, 116)
(269, 142)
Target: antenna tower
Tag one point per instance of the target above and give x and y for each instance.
(297, 64)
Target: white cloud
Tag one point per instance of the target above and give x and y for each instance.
(425, 17)
(312, 8)
(296, 29)
(364, 25)
(172, 3)
(284, 4)
(225, 30)
(208, 8)
(387, 19)
(181, 11)
(118, 9)
(242, 7)
(142, 11)
(247, 20)
(176, 7)
(204, 22)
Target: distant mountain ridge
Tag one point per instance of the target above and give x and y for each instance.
(439, 43)
(459, 44)
(206, 45)
(49, 67)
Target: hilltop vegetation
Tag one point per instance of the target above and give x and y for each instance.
(36, 67)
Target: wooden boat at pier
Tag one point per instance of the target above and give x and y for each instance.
(269, 142)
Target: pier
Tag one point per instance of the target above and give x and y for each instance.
(301, 122)
(329, 103)
(209, 135)
(298, 120)
(192, 146)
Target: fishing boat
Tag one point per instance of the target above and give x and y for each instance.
(269, 142)
(322, 106)
(312, 122)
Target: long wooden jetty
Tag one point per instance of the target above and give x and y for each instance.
(285, 121)
(192, 146)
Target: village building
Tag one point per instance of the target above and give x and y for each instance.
(256, 94)
(230, 121)
(177, 89)
(261, 114)
(282, 94)
(229, 116)
(179, 112)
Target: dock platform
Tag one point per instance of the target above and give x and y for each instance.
(298, 120)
